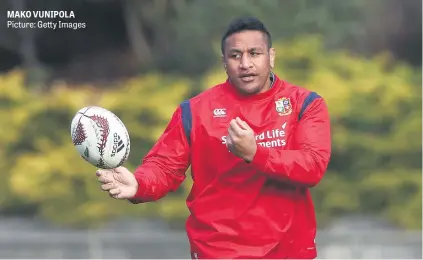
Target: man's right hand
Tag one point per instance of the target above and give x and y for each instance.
(119, 182)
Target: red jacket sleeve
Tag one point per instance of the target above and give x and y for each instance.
(306, 164)
(163, 168)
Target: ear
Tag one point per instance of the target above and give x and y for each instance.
(272, 55)
(223, 62)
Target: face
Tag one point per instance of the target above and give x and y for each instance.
(248, 61)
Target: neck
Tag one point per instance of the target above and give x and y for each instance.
(269, 87)
(269, 83)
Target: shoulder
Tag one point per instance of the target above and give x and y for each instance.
(305, 98)
(300, 93)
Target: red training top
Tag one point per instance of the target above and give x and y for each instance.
(261, 209)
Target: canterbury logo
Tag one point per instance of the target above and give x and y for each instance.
(118, 144)
(219, 112)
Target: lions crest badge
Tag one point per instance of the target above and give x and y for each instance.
(283, 106)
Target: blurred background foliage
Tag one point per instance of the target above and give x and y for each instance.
(140, 59)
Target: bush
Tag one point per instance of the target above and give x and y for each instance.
(375, 108)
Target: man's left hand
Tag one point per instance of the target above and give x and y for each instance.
(241, 140)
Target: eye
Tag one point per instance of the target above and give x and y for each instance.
(235, 56)
(254, 53)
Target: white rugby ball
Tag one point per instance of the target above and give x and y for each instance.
(100, 137)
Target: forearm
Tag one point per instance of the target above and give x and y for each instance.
(163, 168)
(155, 181)
(298, 167)
(306, 160)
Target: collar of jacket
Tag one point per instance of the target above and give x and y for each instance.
(274, 85)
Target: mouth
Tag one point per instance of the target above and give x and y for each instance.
(247, 77)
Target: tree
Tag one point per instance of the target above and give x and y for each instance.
(375, 168)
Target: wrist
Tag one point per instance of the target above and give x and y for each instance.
(260, 158)
(250, 157)
(137, 188)
(136, 197)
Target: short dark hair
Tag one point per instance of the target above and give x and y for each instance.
(242, 24)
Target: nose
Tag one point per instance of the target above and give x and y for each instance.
(245, 62)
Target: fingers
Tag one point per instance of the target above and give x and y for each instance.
(242, 124)
(235, 128)
(114, 192)
(104, 176)
(231, 139)
(234, 134)
(229, 143)
(113, 189)
(108, 186)
(231, 132)
(108, 183)
(239, 126)
(119, 169)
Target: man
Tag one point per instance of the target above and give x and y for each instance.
(255, 143)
